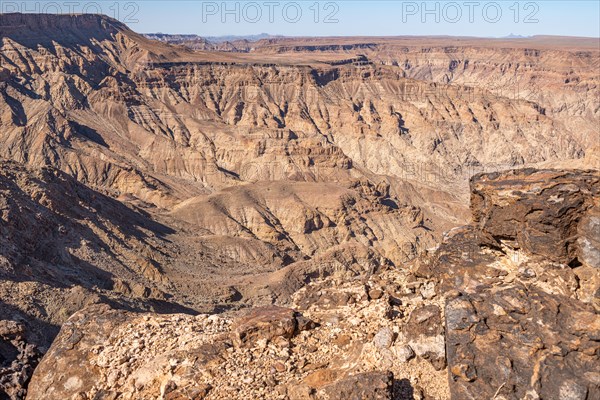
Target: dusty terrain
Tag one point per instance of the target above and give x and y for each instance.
(192, 178)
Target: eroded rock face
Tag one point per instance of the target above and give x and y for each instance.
(521, 317)
(514, 342)
(540, 211)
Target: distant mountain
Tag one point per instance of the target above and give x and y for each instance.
(172, 38)
(167, 37)
(212, 43)
(513, 36)
(250, 38)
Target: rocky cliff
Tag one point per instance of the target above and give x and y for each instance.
(521, 287)
(532, 69)
(164, 124)
(158, 178)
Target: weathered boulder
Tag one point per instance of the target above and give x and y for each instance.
(65, 371)
(538, 209)
(520, 321)
(266, 323)
(363, 386)
(104, 353)
(424, 333)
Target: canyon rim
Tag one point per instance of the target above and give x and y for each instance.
(296, 217)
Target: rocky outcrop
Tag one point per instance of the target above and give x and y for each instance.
(521, 315)
(543, 213)
(516, 342)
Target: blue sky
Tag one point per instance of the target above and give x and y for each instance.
(346, 17)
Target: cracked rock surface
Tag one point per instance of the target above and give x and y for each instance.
(521, 286)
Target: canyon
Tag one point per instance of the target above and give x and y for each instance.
(157, 198)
